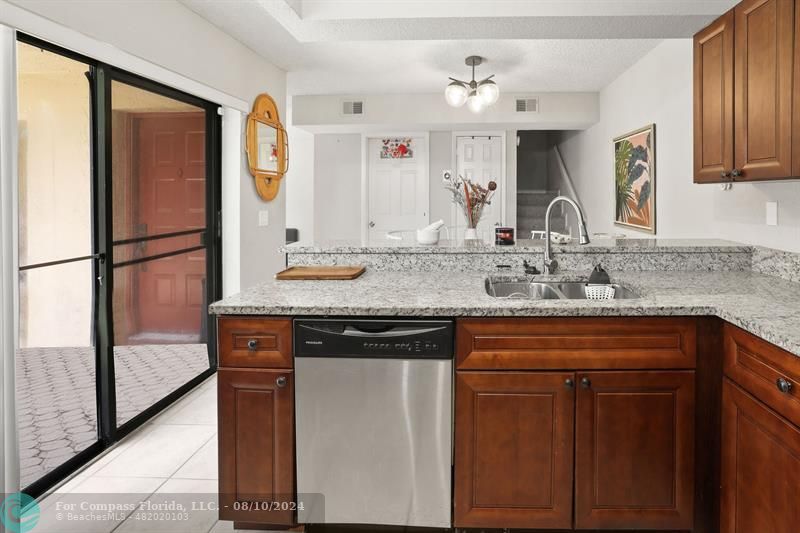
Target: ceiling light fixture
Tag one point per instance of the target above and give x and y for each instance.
(478, 95)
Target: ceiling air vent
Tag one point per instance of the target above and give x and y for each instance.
(527, 105)
(352, 107)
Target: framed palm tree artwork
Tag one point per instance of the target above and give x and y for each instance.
(635, 179)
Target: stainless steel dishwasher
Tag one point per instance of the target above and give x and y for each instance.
(373, 402)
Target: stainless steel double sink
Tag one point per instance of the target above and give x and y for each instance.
(525, 289)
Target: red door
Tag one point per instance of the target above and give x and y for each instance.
(169, 197)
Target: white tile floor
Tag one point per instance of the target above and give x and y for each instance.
(175, 454)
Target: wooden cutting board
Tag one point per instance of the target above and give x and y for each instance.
(320, 272)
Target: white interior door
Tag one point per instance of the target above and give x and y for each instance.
(480, 160)
(398, 189)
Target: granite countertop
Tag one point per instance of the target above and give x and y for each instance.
(598, 245)
(766, 306)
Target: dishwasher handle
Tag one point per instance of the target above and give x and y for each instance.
(351, 331)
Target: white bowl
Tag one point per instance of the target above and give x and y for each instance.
(427, 237)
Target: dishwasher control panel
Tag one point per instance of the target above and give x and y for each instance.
(403, 339)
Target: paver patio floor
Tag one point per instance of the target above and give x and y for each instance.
(56, 395)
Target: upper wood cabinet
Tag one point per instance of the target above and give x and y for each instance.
(713, 101)
(743, 92)
(763, 84)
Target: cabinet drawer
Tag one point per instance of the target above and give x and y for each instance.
(255, 342)
(757, 366)
(575, 343)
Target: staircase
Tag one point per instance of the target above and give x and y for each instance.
(531, 208)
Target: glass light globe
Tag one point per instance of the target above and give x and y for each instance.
(489, 92)
(475, 103)
(455, 94)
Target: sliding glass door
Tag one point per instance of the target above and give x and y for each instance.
(55, 363)
(119, 254)
(159, 231)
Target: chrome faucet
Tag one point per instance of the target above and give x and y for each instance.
(550, 264)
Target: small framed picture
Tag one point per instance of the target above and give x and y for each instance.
(635, 179)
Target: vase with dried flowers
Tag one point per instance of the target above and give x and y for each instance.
(472, 198)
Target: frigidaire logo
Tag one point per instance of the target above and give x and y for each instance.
(313, 342)
(20, 512)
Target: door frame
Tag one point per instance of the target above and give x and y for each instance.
(504, 166)
(365, 138)
(100, 143)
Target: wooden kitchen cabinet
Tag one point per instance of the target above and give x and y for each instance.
(256, 443)
(763, 86)
(760, 466)
(576, 344)
(713, 101)
(634, 451)
(514, 449)
(744, 87)
(760, 436)
(542, 442)
(256, 421)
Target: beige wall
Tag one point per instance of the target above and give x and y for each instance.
(55, 207)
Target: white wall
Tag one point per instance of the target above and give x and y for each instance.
(384, 112)
(440, 159)
(511, 179)
(169, 35)
(658, 89)
(54, 203)
(299, 183)
(337, 187)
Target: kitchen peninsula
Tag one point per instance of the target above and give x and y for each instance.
(570, 413)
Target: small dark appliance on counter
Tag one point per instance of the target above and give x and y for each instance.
(504, 236)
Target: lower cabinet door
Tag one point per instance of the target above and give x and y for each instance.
(634, 450)
(256, 443)
(760, 467)
(514, 449)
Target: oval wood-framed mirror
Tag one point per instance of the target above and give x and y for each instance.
(267, 147)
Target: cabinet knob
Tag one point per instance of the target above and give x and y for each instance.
(568, 383)
(586, 383)
(281, 381)
(252, 344)
(725, 174)
(736, 173)
(784, 385)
